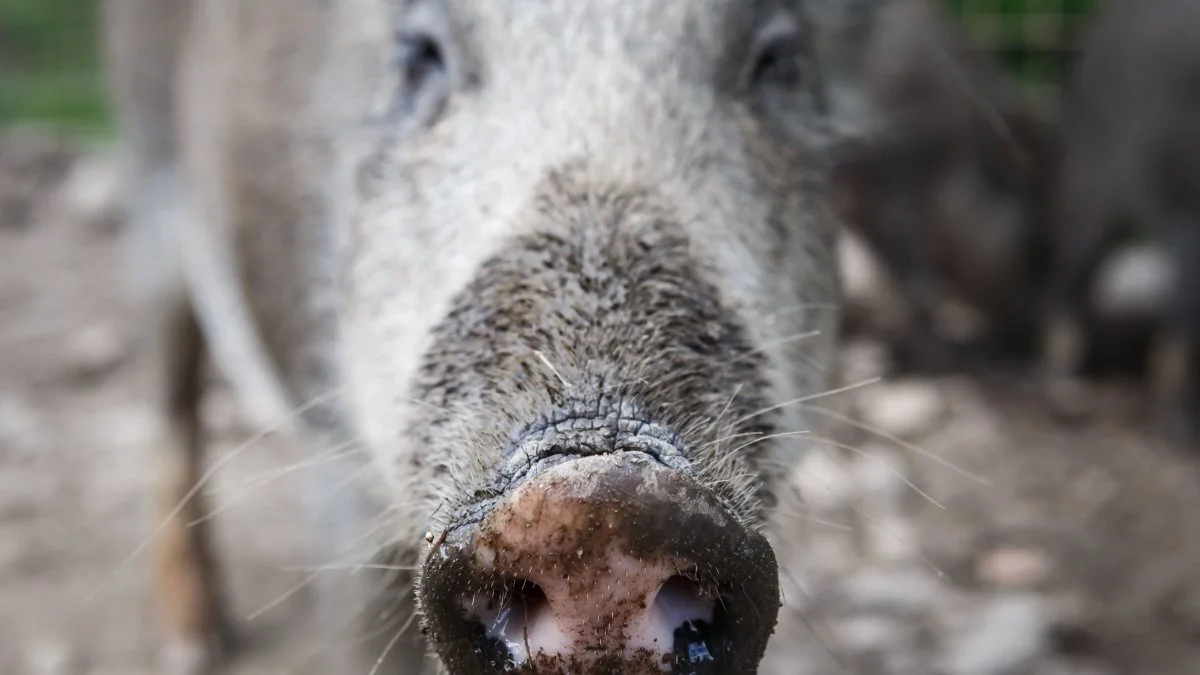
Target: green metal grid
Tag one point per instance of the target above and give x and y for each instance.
(1034, 40)
(48, 64)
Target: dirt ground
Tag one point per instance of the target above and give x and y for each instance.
(963, 533)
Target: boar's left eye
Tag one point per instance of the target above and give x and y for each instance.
(781, 57)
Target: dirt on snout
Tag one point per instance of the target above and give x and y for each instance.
(965, 533)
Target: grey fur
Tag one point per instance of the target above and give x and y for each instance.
(599, 216)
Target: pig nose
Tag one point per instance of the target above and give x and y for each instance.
(603, 564)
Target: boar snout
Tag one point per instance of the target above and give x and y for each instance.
(610, 562)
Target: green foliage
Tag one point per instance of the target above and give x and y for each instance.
(49, 65)
(1032, 39)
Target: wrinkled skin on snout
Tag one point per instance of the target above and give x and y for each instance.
(583, 255)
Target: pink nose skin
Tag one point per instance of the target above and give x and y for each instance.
(595, 591)
(604, 564)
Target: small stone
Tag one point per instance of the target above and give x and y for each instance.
(895, 588)
(824, 480)
(867, 291)
(959, 322)
(891, 539)
(50, 657)
(91, 193)
(1013, 567)
(864, 633)
(95, 350)
(1095, 487)
(862, 360)
(1181, 607)
(181, 657)
(223, 414)
(1008, 633)
(888, 534)
(23, 494)
(881, 477)
(20, 429)
(861, 273)
(32, 161)
(130, 426)
(904, 409)
(1070, 398)
(1134, 283)
(1064, 665)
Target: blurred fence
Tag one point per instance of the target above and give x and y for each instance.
(48, 64)
(1032, 39)
(49, 69)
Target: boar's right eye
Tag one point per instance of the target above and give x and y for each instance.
(423, 76)
(419, 59)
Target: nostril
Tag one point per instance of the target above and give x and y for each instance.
(682, 619)
(681, 600)
(517, 621)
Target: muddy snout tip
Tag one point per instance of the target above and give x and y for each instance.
(603, 564)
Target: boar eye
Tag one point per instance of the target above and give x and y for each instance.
(780, 56)
(422, 74)
(419, 59)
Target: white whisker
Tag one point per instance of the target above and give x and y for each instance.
(554, 370)
(770, 344)
(392, 643)
(730, 437)
(820, 521)
(355, 566)
(895, 537)
(810, 397)
(283, 596)
(253, 483)
(204, 478)
(900, 442)
(885, 465)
